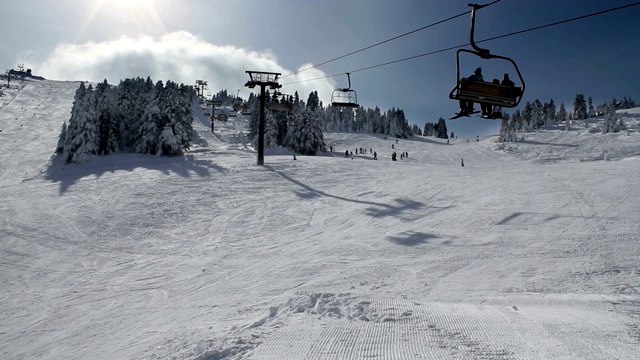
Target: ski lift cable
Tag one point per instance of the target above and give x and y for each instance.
(564, 21)
(478, 41)
(385, 41)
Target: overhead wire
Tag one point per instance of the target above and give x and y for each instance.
(477, 41)
(385, 41)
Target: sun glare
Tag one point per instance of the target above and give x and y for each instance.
(134, 10)
(129, 5)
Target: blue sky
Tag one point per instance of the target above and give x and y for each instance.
(218, 40)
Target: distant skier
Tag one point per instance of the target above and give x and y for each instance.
(346, 153)
(462, 162)
(375, 155)
(393, 156)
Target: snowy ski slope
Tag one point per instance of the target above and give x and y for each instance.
(529, 251)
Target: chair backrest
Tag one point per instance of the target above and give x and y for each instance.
(489, 93)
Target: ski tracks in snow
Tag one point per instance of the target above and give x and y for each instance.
(347, 326)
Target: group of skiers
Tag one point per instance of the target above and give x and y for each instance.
(403, 155)
(394, 155)
(362, 150)
(349, 154)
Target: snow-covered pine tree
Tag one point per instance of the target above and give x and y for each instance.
(150, 129)
(402, 125)
(330, 119)
(360, 122)
(502, 135)
(313, 101)
(254, 120)
(508, 129)
(125, 103)
(63, 134)
(282, 120)
(526, 117)
(294, 120)
(143, 94)
(305, 130)
(442, 129)
(169, 143)
(429, 129)
(108, 127)
(183, 115)
(590, 111)
(175, 118)
(612, 122)
(391, 121)
(562, 116)
(550, 114)
(626, 103)
(580, 108)
(83, 141)
(71, 130)
(184, 121)
(376, 121)
(312, 136)
(516, 119)
(270, 131)
(537, 115)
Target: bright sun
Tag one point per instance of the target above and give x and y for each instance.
(132, 9)
(127, 5)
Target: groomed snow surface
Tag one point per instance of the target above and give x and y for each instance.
(529, 251)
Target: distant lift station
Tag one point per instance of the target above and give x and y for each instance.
(345, 98)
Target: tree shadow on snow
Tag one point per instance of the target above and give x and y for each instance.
(523, 217)
(411, 238)
(402, 204)
(534, 142)
(376, 209)
(185, 166)
(429, 140)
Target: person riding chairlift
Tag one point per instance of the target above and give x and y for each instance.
(466, 106)
(497, 109)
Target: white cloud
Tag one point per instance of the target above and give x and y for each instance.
(180, 57)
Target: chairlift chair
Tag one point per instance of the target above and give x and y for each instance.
(345, 98)
(280, 105)
(485, 92)
(238, 106)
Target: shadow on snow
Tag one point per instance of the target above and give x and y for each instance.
(521, 217)
(411, 238)
(185, 166)
(375, 210)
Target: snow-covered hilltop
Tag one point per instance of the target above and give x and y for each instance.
(529, 251)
